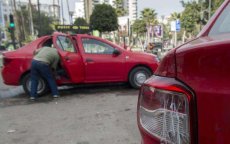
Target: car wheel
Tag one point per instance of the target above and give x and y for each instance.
(42, 85)
(138, 76)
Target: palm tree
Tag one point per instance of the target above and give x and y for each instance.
(174, 16)
(149, 16)
(118, 4)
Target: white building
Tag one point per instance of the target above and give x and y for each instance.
(51, 10)
(84, 8)
(79, 9)
(132, 10)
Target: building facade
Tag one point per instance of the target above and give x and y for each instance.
(79, 10)
(51, 10)
(84, 8)
(132, 9)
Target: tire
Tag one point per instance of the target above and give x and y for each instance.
(138, 76)
(42, 85)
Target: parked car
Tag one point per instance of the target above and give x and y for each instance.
(187, 99)
(84, 59)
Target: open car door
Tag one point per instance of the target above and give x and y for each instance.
(71, 59)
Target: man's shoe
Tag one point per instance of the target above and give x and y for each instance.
(32, 98)
(56, 96)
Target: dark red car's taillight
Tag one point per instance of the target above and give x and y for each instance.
(164, 111)
(167, 66)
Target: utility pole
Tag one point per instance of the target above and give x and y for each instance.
(39, 19)
(14, 5)
(63, 20)
(71, 17)
(59, 10)
(67, 2)
(23, 31)
(31, 19)
(12, 28)
(209, 9)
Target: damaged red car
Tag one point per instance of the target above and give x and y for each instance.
(85, 59)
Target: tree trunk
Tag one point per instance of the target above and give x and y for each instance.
(184, 36)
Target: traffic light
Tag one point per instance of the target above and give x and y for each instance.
(12, 25)
(11, 29)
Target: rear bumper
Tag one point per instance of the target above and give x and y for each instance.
(10, 76)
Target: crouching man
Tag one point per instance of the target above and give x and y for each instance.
(44, 63)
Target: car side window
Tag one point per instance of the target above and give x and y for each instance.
(222, 24)
(93, 46)
(65, 44)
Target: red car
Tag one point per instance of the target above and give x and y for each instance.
(187, 100)
(84, 59)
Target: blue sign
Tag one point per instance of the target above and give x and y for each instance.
(178, 27)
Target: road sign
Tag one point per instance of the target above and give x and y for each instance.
(175, 25)
(75, 28)
(178, 27)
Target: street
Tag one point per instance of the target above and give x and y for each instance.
(82, 115)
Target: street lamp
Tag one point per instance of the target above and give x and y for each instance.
(209, 8)
(39, 19)
(71, 16)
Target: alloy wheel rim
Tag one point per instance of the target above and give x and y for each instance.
(140, 78)
(40, 88)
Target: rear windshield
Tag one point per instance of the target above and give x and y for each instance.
(222, 25)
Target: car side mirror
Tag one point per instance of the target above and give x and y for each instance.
(116, 52)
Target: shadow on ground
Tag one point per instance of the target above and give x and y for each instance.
(16, 96)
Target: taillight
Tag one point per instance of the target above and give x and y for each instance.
(167, 65)
(165, 114)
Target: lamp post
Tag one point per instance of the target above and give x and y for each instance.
(209, 8)
(71, 17)
(63, 19)
(39, 19)
(31, 19)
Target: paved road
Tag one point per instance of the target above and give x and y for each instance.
(83, 115)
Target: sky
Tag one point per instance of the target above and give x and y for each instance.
(162, 7)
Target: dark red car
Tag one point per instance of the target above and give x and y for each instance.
(187, 101)
(84, 59)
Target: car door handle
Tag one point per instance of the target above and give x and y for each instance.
(88, 60)
(67, 58)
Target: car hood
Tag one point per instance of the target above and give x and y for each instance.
(142, 54)
(142, 57)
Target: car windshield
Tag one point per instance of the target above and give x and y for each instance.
(222, 25)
